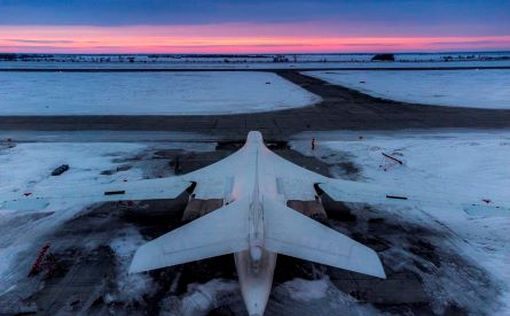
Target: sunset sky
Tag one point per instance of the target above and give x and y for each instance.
(229, 26)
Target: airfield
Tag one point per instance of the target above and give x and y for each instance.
(436, 263)
(340, 109)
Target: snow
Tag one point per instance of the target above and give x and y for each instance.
(460, 162)
(307, 290)
(27, 166)
(200, 299)
(152, 93)
(256, 61)
(467, 88)
(308, 64)
(314, 297)
(132, 286)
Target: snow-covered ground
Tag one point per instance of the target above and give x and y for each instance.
(253, 61)
(456, 163)
(468, 88)
(311, 64)
(152, 93)
(27, 166)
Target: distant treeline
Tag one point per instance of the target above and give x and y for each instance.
(207, 56)
(254, 58)
(13, 57)
(25, 56)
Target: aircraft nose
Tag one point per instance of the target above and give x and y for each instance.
(255, 282)
(255, 298)
(255, 137)
(256, 309)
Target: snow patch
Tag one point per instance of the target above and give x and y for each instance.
(467, 88)
(315, 297)
(130, 286)
(29, 165)
(200, 299)
(307, 290)
(152, 93)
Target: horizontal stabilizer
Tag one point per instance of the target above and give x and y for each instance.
(293, 234)
(220, 232)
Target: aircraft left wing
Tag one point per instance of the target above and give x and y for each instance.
(150, 189)
(359, 192)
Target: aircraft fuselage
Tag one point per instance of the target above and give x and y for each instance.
(255, 266)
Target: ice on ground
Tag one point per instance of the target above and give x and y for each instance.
(467, 88)
(151, 93)
(460, 162)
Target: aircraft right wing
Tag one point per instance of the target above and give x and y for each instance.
(150, 189)
(211, 182)
(221, 232)
(290, 233)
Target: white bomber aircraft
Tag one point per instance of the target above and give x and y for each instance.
(254, 223)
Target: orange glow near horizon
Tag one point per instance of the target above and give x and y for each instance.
(220, 39)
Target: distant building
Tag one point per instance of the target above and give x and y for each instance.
(383, 57)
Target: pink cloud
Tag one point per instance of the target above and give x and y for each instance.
(224, 38)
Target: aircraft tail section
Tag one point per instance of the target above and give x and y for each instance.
(290, 233)
(220, 232)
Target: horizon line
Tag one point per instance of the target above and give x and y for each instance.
(503, 50)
